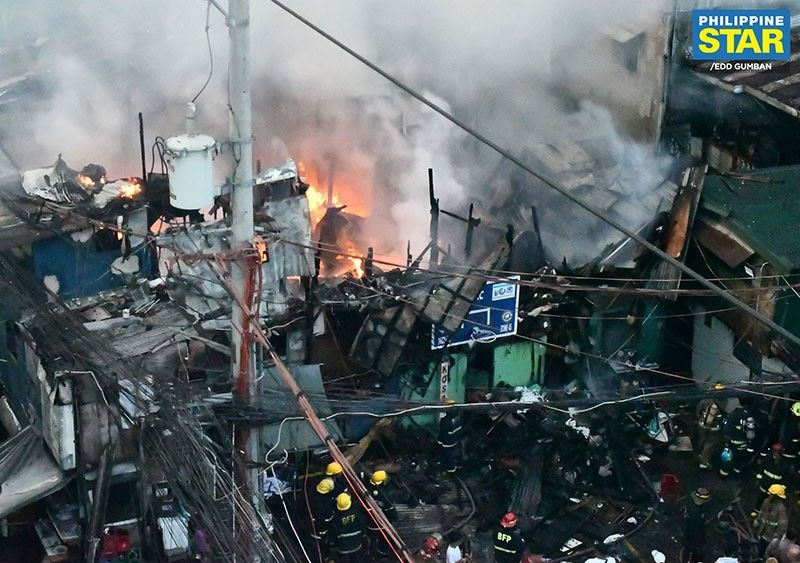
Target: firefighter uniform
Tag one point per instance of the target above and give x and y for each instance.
(772, 469)
(377, 482)
(790, 434)
(709, 431)
(323, 510)
(450, 430)
(772, 520)
(509, 547)
(347, 531)
(334, 471)
(694, 527)
(739, 430)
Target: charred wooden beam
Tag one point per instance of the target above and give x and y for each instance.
(472, 222)
(369, 264)
(141, 148)
(535, 219)
(434, 227)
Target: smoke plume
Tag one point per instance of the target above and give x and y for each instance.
(527, 73)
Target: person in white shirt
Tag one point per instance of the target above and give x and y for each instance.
(453, 554)
(456, 549)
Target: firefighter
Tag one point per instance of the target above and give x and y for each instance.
(694, 527)
(347, 531)
(450, 430)
(431, 548)
(509, 547)
(790, 433)
(323, 510)
(772, 469)
(709, 431)
(377, 482)
(772, 520)
(739, 431)
(335, 472)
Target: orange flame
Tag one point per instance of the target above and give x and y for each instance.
(85, 181)
(318, 203)
(358, 263)
(131, 188)
(345, 192)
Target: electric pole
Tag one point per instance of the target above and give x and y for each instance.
(241, 136)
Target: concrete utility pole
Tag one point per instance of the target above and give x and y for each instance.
(241, 135)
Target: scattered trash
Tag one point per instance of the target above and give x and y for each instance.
(632, 520)
(570, 544)
(613, 538)
(658, 557)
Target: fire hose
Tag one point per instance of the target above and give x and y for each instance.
(385, 527)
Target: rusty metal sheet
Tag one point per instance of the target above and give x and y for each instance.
(721, 242)
(449, 302)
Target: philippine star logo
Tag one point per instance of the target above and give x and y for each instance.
(754, 39)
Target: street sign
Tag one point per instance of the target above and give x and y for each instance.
(493, 315)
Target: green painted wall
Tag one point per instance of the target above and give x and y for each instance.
(456, 388)
(513, 364)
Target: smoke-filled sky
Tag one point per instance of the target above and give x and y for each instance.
(494, 64)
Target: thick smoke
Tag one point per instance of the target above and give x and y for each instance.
(526, 73)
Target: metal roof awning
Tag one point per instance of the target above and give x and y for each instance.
(27, 471)
(723, 243)
(777, 84)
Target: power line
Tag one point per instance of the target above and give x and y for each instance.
(564, 349)
(477, 273)
(210, 54)
(333, 247)
(547, 181)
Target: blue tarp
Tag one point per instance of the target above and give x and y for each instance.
(81, 268)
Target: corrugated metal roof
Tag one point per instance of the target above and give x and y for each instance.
(778, 86)
(761, 208)
(168, 324)
(291, 218)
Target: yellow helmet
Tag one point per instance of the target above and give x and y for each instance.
(334, 468)
(777, 490)
(796, 408)
(379, 477)
(450, 401)
(325, 486)
(344, 502)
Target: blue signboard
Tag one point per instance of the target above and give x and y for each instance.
(492, 315)
(741, 35)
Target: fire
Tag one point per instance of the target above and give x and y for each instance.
(345, 192)
(320, 199)
(130, 188)
(318, 203)
(85, 181)
(358, 263)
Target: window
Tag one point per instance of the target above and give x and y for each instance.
(627, 46)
